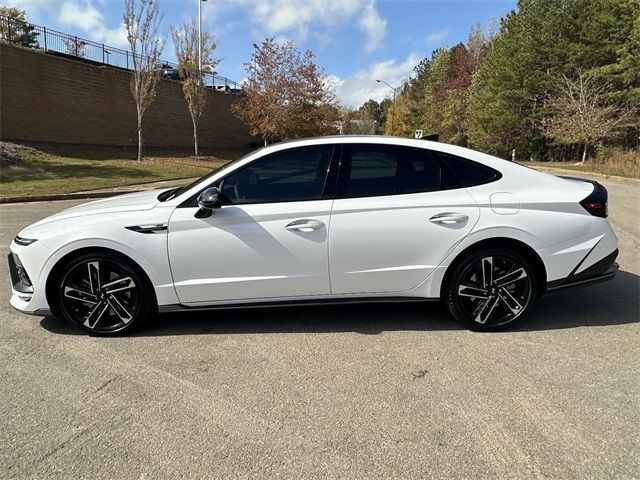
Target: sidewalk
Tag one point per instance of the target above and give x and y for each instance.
(99, 193)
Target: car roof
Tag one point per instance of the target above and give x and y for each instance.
(489, 160)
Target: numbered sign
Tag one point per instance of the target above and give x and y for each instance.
(418, 134)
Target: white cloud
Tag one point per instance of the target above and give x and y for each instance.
(81, 14)
(37, 10)
(374, 26)
(356, 89)
(436, 36)
(29, 5)
(86, 17)
(286, 18)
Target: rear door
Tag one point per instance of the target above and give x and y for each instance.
(396, 215)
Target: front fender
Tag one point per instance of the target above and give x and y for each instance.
(148, 250)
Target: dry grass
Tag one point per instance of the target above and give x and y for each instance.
(619, 163)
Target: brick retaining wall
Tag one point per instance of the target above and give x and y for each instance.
(44, 98)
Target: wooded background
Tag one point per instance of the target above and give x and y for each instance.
(552, 78)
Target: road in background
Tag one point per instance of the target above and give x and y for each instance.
(371, 391)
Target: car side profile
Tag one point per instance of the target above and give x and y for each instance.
(331, 219)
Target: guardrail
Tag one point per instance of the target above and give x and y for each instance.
(51, 41)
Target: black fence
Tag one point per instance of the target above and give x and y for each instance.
(51, 41)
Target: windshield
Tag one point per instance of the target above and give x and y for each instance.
(174, 192)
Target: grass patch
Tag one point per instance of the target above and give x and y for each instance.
(50, 169)
(620, 164)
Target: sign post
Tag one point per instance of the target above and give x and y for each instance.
(417, 134)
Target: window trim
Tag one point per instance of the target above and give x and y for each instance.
(325, 194)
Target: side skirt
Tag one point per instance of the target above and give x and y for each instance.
(293, 303)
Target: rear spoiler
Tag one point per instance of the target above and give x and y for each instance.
(579, 179)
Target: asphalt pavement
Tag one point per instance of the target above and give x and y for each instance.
(368, 391)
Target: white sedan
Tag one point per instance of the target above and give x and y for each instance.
(332, 219)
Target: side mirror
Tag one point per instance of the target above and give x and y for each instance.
(207, 201)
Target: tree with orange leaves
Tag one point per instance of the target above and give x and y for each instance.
(286, 94)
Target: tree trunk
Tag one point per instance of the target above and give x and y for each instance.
(195, 136)
(265, 140)
(139, 136)
(584, 153)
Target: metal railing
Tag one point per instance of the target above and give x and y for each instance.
(51, 41)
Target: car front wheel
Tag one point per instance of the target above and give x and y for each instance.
(104, 294)
(491, 290)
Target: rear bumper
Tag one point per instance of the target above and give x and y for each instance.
(601, 271)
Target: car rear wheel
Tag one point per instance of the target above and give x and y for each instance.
(104, 294)
(491, 290)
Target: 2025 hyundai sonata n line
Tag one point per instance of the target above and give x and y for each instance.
(332, 219)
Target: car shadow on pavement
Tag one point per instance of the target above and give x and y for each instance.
(613, 303)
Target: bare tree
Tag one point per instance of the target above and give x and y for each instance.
(142, 19)
(75, 46)
(581, 113)
(185, 42)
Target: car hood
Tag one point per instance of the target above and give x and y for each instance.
(122, 203)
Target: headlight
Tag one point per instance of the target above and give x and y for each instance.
(24, 241)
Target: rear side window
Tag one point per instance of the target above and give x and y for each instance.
(469, 173)
(374, 170)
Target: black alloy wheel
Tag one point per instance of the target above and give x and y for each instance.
(491, 290)
(104, 295)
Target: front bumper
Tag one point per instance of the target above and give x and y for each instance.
(601, 271)
(22, 290)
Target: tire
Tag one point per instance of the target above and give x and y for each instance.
(104, 294)
(495, 302)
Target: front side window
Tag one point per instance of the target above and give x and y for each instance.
(373, 170)
(291, 175)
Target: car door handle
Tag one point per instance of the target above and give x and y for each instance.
(305, 225)
(449, 218)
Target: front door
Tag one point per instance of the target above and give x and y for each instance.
(268, 241)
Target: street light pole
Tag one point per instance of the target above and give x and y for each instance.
(394, 100)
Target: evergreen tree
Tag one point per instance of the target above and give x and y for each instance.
(15, 29)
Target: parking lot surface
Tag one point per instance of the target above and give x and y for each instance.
(367, 391)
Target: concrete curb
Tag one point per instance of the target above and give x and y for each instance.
(61, 196)
(103, 193)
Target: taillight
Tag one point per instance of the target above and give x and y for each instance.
(596, 203)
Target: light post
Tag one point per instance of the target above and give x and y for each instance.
(394, 100)
(200, 34)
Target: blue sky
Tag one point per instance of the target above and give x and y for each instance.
(355, 41)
